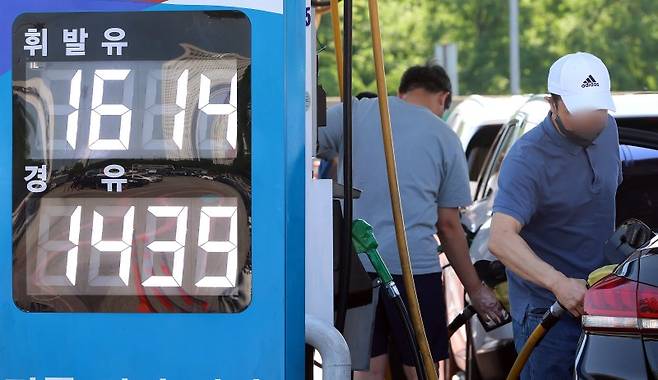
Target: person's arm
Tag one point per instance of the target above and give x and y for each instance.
(508, 246)
(454, 192)
(453, 242)
(517, 199)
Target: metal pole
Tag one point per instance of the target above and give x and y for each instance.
(338, 45)
(396, 203)
(515, 66)
(346, 259)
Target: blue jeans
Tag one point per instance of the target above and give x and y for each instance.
(555, 355)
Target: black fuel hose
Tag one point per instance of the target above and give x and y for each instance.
(404, 314)
(461, 319)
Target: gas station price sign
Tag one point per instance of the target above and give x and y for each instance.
(154, 194)
(132, 162)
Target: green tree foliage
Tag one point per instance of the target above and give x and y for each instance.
(624, 33)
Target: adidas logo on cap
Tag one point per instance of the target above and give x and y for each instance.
(590, 82)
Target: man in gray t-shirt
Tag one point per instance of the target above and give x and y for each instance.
(433, 180)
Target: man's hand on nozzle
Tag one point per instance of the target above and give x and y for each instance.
(570, 292)
(486, 304)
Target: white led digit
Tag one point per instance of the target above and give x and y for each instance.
(154, 109)
(70, 110)
(218, 109)
(100, 109)
(175, 247)
(228, 247)
(74, 101)
(181, 102)
(46, 247)
(100, 247)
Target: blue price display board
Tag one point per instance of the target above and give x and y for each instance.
(156, 192)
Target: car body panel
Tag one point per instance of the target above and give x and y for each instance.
(651, 352)
(610, 357)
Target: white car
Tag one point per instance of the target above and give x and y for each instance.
(477, 120)
(637, 117)
(149, 179)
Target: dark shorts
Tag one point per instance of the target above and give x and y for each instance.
(389, 325)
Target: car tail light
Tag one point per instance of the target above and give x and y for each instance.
(647, 306)
(612, 305)
(619, 304)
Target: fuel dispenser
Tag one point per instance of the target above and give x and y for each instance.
(155, 211)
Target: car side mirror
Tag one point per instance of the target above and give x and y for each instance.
(637, 233)
(631, 235)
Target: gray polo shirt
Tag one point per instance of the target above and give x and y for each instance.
(564, 196)
(432, 172)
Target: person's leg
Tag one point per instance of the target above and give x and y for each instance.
(555, 355)
(410, 372)
(429, 289)
(377, 371)
(441, 369)
(521, 335)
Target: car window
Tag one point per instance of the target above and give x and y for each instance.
(495, 147)
(488, 182)
(479, 147)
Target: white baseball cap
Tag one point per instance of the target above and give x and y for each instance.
(583, 82)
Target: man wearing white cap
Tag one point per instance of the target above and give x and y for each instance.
(555, 208)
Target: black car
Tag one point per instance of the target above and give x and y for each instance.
(620, 330)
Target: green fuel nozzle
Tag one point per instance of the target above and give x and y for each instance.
(364, 241)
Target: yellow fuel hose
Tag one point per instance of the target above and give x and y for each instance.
(400, 233)
(338, 43)
(549, 320)
(536, 336)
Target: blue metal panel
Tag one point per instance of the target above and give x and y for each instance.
(266, 340)
(295, 59)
